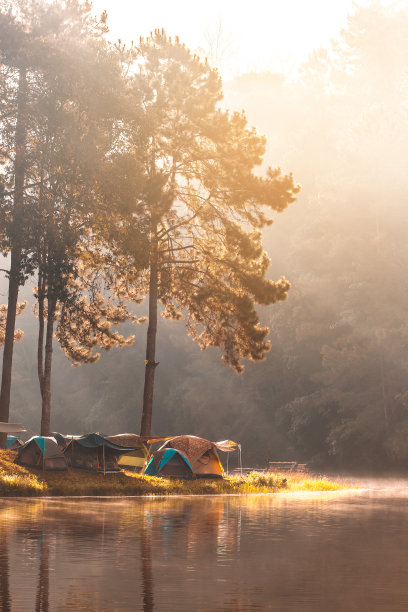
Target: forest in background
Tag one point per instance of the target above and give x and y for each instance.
(332, 391)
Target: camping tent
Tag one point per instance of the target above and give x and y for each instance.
(41, 452)
(139, 454)
(61, 440)
(169, 463)
(94, 452)
(202, 455)
(13, 443)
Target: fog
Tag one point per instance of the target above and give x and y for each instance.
(333, 389)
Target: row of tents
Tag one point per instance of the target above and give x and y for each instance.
(177, 457)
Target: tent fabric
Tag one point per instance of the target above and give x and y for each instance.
(42, 452)
(157, 458)
(227, 446)
(135, 459)
(96, 440)
(169, 463)
(60, 439)
(202, 455)
(192, 446)
(126, 440)
(13, 443)
(132, 440)
(94, 452)
(138, 453)
(169, 454)
(11, 427)
(41, 442)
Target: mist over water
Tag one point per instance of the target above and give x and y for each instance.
(312, 551)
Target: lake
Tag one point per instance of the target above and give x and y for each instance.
(337, 551)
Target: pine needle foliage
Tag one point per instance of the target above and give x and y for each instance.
(205, 204)
(204, 207)
(18, 333)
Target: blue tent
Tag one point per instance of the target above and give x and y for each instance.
(169, 463)
(13, 443)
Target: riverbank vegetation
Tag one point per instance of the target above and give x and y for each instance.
(18, 481)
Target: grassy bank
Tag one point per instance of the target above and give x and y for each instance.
(17, 481)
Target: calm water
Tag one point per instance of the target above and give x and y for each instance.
(321, 552)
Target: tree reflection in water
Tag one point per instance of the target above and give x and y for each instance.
(5, 604)
(42, 599)
(147, 565)
(311, 552)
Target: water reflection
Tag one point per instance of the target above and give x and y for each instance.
(308, 552)
(5, 605)
(147, 566)
(43, 575)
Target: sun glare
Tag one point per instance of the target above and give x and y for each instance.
(253, 36)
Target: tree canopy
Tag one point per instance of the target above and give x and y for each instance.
(204, 204)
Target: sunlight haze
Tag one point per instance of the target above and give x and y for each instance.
(257, 36)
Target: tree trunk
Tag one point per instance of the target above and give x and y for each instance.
(46, 387)
(40, 342)
(146, 424)
(15, 263)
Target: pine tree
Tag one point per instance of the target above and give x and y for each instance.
(78, 104)
(61, 98)
(205, 208)
(17, 54)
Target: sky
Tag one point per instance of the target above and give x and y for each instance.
(256, 35)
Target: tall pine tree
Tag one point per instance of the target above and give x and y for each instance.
(205, 208)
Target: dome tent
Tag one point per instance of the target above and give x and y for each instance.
(13, 443)
(202, 455)
(41, 452)
(169, 463)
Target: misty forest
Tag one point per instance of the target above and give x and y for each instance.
(170, 269)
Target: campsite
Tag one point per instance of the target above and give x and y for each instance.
(94, 465)
(203, 297)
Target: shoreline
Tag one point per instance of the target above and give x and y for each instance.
(167, 497)
(19, 481)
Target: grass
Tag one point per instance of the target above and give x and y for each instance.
(16, 481)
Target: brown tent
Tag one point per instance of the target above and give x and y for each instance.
(41, 452)
(202, 455)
